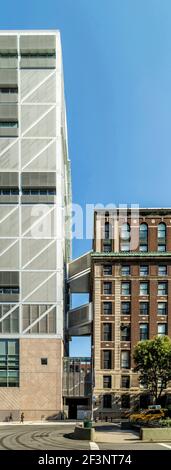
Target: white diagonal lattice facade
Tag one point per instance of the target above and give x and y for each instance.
(34, 182)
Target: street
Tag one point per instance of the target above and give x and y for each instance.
(56, 437)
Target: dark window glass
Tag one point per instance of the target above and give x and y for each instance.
(143, 248)
(144, 308)
(107, 332)
(9, 363)
(44, 361)
(161, 248)
(161, 231)
(107, 308)
(143, 232)
(107, 288)
(9, 290)
(143, 235)
(9, 124)
(162, 329)
(162, 308)
(108, 231)
(8, 90)
(34, 55)
(143, 288)
(162, 270)
(125, 401)
(125, 237)
(125, 308)
(107, 381)
(107, 246)
(125, 288)
(143, 270)
(162, 288)
(125, 381)
(125, 359)
(107, 359)
(143, 331)
(107, 270)
(125, 231)
(125, 270)
(125, 333)
(107, 401)
(125, 246)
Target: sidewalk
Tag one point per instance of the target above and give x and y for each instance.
(40, 423)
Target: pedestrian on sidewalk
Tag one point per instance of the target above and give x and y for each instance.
(22, 417)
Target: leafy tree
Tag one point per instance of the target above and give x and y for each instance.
(153, 362)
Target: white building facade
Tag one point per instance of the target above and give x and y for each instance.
(35, 196)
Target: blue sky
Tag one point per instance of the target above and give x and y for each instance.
(117, 65)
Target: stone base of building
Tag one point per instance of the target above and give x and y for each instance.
(123, 403)
(39, 395)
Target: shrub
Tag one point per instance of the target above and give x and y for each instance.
(165, 422)
(147, 416)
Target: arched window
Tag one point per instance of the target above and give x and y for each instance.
(125, 237)
(125, 231)
(107, 243)
(108, 231)
(161, 235)
(143, 237)
(161, 231)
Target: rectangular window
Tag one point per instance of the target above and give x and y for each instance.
(125, 246)
(125, 401)
(125, 381)
(107, 229)
(162, 329)
(107, 401)
(107, 288)
(9, 363)
(144, 308)
(143, 270)
(143, 288)
(143, 248)
(44, 361)
(143, 331)
(162, 288)
(8, 90)
(10, 324)
(162, 270)
(125, 359)
(161, 248)
(107, 381)
(125, 288)
(125, 270)
(162, 308)
(125, 332)
(107, 270)
(107, 332)
(107, 359)
(125, 308)
(13, 124)
(107, 246)
(107, 308)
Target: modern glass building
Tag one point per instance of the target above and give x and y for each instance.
(35, 193)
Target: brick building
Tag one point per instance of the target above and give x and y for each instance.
(131, 295)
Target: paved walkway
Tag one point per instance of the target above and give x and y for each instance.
(113, 433)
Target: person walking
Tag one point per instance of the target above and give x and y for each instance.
(22, 417)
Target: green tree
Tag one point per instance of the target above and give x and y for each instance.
(153, 362)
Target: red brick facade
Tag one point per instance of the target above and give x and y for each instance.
(153, 259)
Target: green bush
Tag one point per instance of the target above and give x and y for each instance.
(165, 422)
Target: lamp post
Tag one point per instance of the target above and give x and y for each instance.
(92, 381)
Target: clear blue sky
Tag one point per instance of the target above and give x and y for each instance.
(117, 65)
